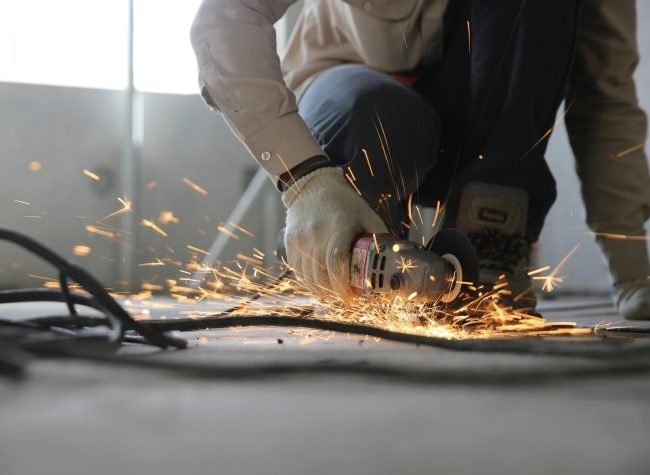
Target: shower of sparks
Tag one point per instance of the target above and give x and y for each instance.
(629, 150)
(81, 250)
(152, 225)
(405, 265)
(537, 271)
(295, 186)
(167, 217)
(127, 206)
(383, 141)
(196, 249)
(222, 229)
(152, 287)
(91, 175)
(42, 277)
(621, 236)
(99, 231)
(417, 209)
(552, 280)
(483, 315)
(351, 181)
(409, 207)
(550, 131)
(155, 263)
(242, 229)
(437, 216)
(195, 187)
(365, 154)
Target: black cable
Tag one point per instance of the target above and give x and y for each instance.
(617, 357)
(599, 348)
(119, 318)
(65, 292)
(79, 336)
(97, 351)
(613, 347)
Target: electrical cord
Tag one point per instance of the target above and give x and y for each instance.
(119, 318)
(97, 338)
(599, 348)
(596, 348)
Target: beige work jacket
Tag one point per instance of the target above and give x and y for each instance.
(240, 73)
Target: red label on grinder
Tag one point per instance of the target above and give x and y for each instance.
(358, 267)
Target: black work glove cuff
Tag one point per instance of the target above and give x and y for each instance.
(288, 178)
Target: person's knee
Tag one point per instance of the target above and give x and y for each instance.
(389, 101)
(356, 93)
(351, 108)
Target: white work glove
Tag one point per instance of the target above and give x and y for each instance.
(324, 215)
(632, 299)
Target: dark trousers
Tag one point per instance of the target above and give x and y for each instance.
(483, 113)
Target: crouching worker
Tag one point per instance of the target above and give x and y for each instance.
(420, 101)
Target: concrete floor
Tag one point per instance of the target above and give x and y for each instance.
(81, 418)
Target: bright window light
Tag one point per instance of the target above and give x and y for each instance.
(164, 60)
(81, 43)
(84, 43)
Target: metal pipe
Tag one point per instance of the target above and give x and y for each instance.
(129, 172)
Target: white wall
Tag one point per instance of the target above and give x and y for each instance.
(69, 130)
(66, 130)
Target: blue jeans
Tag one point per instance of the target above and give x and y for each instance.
(481, 115)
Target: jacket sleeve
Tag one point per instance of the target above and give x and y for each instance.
(240, 76)
(607, 131)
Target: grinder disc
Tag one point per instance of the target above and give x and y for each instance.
(455, 242)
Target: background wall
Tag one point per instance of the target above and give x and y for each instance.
(69, 129)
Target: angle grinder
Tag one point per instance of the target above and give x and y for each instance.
(382, 264)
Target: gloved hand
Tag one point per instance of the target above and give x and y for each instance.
(632, 299)
(324, 215)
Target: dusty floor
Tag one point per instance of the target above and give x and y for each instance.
(82, 418)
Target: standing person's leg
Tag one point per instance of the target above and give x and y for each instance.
(386, 133)
(607, 129)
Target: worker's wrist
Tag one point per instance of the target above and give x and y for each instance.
(287, 179)
(325, 177)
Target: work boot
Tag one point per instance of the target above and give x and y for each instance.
(632, 299)
(504, 263)
(494, 218)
